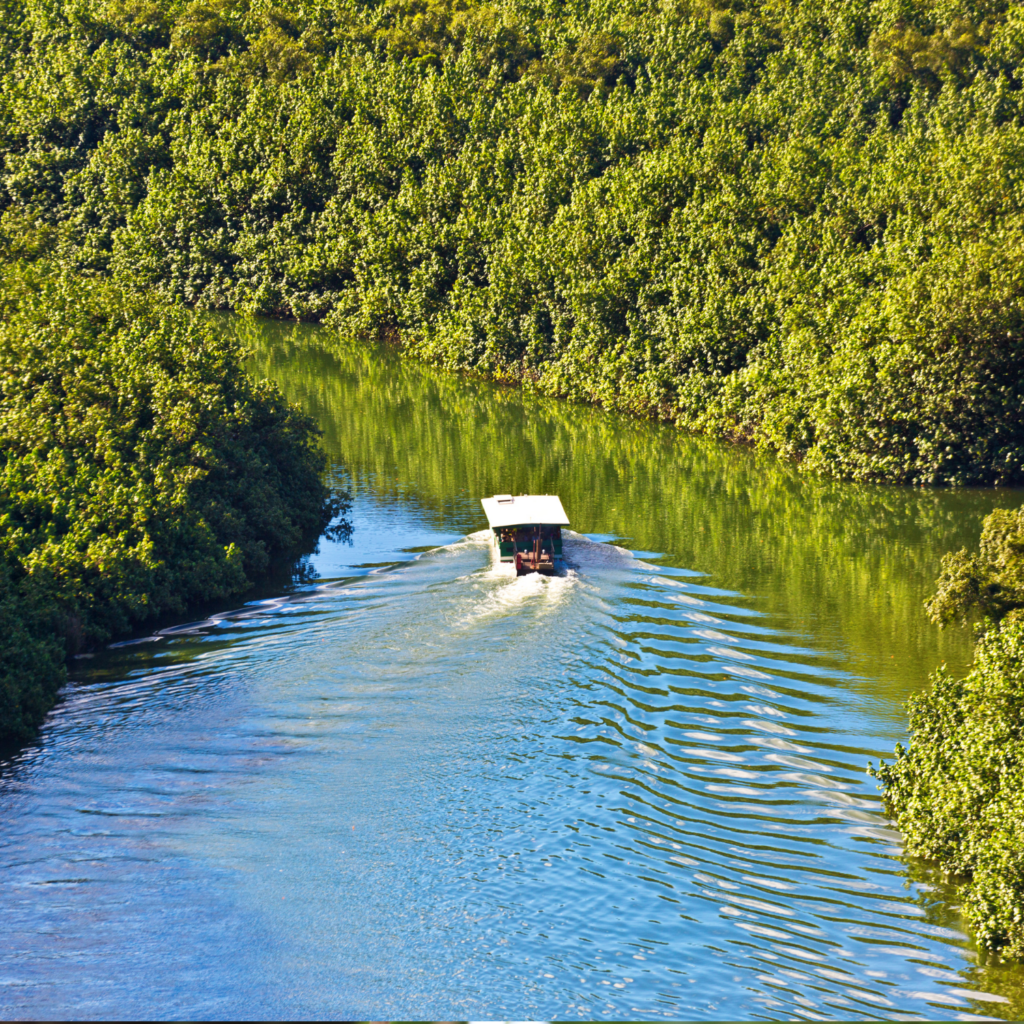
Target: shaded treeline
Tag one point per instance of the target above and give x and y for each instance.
(797, 224)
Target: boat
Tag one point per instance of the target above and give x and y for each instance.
(526, 531)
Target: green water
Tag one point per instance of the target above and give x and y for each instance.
(843, 565)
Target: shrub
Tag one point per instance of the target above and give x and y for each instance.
(793, 223)
(141, 471)
(990, 582)
(957, 794)
(31, 659)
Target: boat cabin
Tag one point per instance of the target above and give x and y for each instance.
(526, 530)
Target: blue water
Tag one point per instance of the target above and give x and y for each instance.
(420, 788)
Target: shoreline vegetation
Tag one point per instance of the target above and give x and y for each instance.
(796, 225)
(957, 793)
(142, 472)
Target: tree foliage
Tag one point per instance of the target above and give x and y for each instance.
(795, 224)
(141, 471)
(957, 794)
(990, 582)
(31, 655)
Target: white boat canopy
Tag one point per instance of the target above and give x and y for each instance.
(524, 510)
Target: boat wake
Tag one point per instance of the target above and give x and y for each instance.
(588, 556)
(499, 591)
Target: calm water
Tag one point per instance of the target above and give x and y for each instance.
(414, 788)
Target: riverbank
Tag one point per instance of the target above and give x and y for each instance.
(142, 472)
(849, 564)
(412, 784)
(956, 793)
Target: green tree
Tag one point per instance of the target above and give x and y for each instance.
(990, 582)
(141, 471)
(957, 794)
(796, 225)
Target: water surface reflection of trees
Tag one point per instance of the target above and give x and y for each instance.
(846, 565)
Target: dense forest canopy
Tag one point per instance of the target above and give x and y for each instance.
(141, 472)
(792, 223)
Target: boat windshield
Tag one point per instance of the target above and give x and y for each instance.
(525, 537)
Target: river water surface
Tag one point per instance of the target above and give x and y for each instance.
(407, 786)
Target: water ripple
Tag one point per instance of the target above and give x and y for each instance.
(438, 790)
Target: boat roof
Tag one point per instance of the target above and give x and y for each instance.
(524, 509)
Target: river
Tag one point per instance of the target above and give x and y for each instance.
(406, 786)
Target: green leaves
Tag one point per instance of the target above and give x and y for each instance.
(31, 656)
(211, 28)
(957, 794)
(990, 583)
(794, 225)
(908, 55)
(141, 471)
